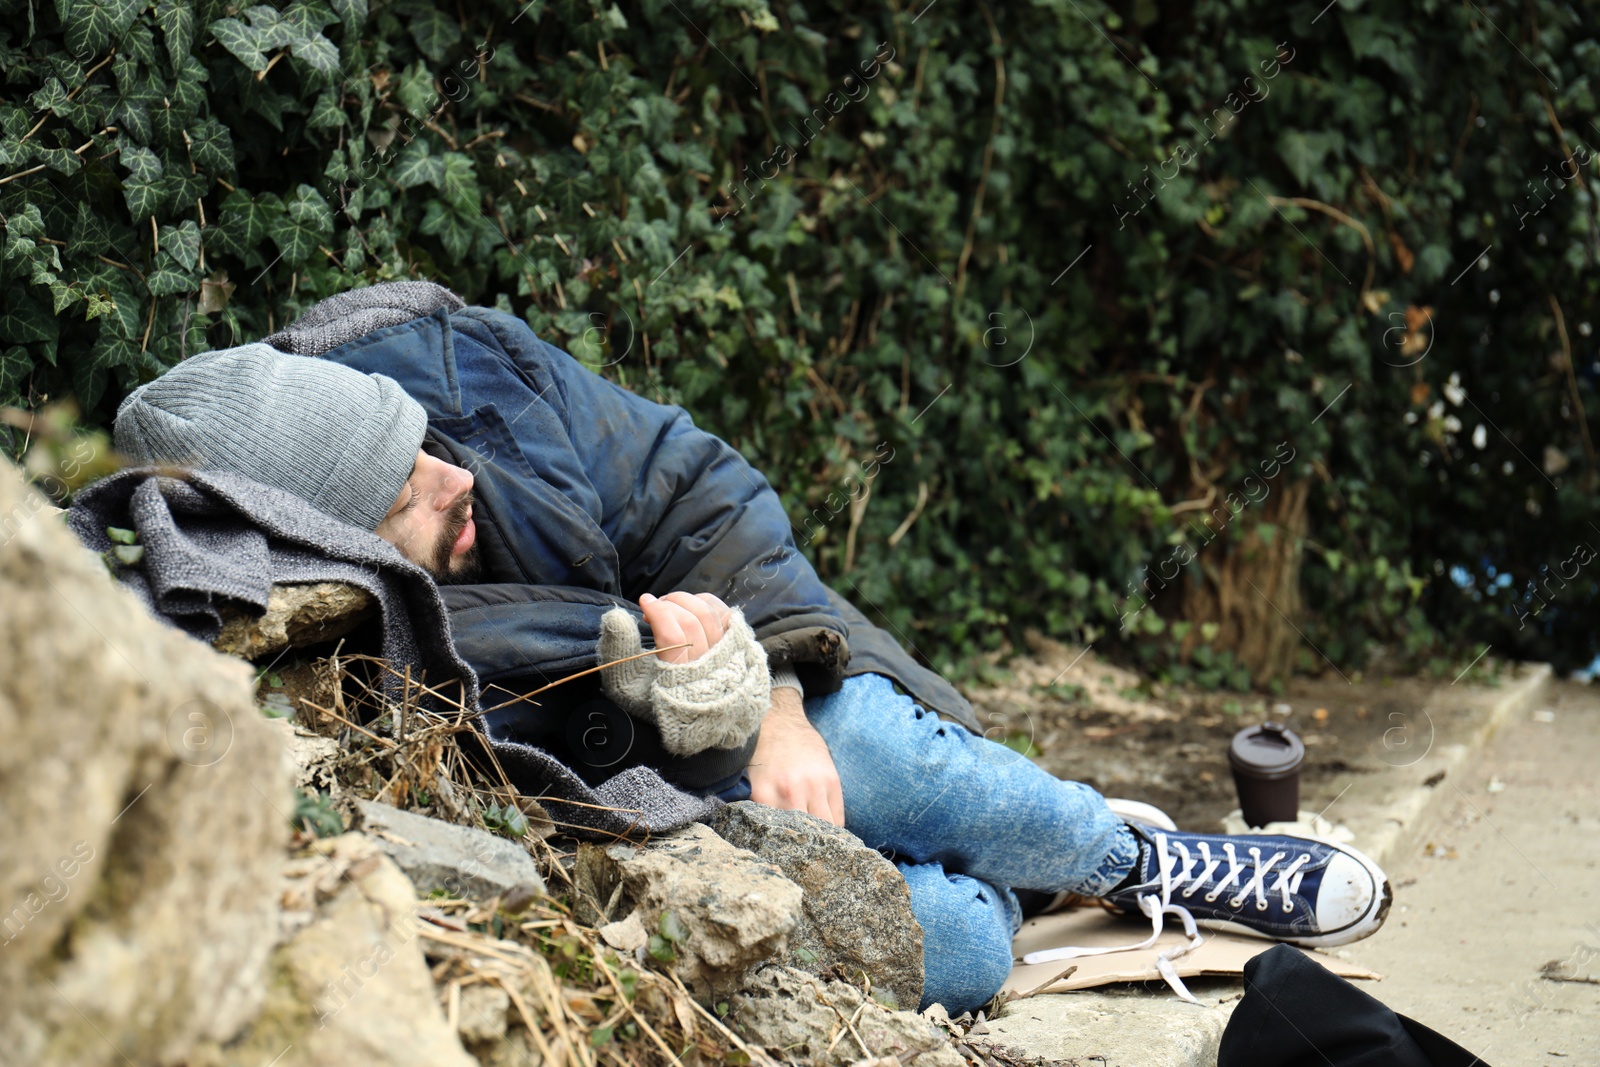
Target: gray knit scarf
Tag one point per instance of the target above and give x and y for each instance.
(214, 536)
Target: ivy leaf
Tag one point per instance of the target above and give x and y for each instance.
(182, 243)
(21, 230)
(306, 220)
(182, 188)
(111, 351)
(64, 296)
(142, 189)
(61, 160)
(655, 241)
(326, 114)
(92, 25)
(176, 19)
(1303, 152)
(166, 281)
(89, 381)
(301, 21)
(23, 321)
(96, 304)
(352, 13)
(244, 222)
(14, 119)
(415, 90)
(52, 97)
(14, 366)
(188, 94)
(416, 166)
(274, 28)
(454, 232)
(459, 183)
(142, 163)
(243, 41)
(139, 41)
(211, 147)
(133, 119)
(120, 304)
(308, 208)
(317, 53)
(434, 32)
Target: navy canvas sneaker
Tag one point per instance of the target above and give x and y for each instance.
(1301, 890)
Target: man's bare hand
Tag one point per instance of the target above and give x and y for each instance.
(792, 767)
(698, 618)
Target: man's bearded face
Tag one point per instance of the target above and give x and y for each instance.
(431, 521)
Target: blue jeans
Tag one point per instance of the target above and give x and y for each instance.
(966, 820)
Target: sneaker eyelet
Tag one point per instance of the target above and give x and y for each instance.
(1261, 905)
(1211, 898)
(1287, 908)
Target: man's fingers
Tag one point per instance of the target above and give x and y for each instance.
(665, 621)
(693, 632)
(722, 609)
(836, 803)
(708, 617)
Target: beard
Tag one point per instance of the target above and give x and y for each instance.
(446, 567)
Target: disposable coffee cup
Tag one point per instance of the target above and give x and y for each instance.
(1266, 773)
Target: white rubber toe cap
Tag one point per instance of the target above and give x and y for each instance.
(1347, 897)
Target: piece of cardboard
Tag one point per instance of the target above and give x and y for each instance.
(1092, 926)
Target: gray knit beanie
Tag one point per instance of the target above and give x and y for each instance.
(343, 441)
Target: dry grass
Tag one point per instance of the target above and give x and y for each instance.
(574, 1001)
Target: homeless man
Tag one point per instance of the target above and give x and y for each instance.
(572, 523)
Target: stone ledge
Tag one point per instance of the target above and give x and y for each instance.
(296, 615)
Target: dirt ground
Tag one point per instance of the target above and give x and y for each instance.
(1084, 719)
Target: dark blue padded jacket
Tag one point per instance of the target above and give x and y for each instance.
(588, 496)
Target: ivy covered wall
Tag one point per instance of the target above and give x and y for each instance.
(1235, 337)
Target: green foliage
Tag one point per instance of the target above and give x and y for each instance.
(315, 814)
(987, 301)
(505, 819)
(670, 932)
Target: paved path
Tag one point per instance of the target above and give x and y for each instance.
(1506, 886)
(1502, 879)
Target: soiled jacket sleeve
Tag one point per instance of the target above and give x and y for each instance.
(682, 508)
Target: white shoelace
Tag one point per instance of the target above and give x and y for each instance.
(1158, 906)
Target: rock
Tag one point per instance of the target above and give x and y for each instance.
(309, 757)
(484, 1008)
(351, 984)
(857, 910)
(461, 860)
(730, 909)
(514, 1050)
(296, 615)
(803, 1015)
(146, 809)
(629, 935)
(1118, 1027)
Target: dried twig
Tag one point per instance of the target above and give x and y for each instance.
(1042, 986)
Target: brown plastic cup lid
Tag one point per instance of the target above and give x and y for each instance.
(1270, 750)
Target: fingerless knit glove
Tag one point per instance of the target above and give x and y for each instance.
(716, 701)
